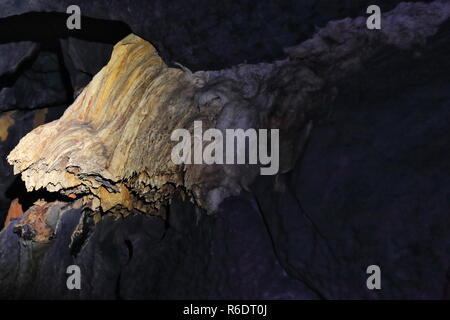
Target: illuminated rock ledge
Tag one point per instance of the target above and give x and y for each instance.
(112, 147)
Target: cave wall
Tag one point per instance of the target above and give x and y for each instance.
(370, 188)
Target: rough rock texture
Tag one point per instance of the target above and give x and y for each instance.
(370, 188)
(97, 146)
(201, 34)
(83, 67)
(40, 86)
(137, 83)
(208, 35)
(15, 212)
(6, 121)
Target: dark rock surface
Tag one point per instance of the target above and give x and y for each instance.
(40, 86)
(81, 66)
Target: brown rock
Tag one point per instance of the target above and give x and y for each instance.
(34, 225)
(15, 211)
(6, 121)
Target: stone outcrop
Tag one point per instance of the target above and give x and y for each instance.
(113, 144)
(6, 121)
(369, 109)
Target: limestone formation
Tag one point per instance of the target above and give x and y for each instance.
(112, 146)
(6, 121)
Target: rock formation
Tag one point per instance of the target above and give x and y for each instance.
(113, 144)
(369, 189)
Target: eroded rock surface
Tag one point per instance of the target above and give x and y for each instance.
(114, 142)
